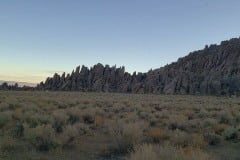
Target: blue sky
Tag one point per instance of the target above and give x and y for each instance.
(38, 38)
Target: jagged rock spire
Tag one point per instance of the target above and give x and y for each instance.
(215, 70)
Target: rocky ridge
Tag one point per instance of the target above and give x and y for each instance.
(214, 70)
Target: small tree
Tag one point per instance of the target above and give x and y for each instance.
(15, 86)
(4, 86)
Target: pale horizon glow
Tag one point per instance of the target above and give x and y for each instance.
(39, 38)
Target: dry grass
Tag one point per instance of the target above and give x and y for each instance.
(49, 125)
(157, 134)
(167, 152)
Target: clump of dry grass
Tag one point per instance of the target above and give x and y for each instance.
(157, 134)
(184, 139)
(99, 120)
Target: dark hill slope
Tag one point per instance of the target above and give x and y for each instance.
(214, 70)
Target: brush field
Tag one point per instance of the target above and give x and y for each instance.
(104, 126)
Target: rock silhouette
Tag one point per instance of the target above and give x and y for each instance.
(215, 70)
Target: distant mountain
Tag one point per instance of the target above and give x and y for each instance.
(214, 70)
(20, 84)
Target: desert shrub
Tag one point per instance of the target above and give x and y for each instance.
(31, 118)
(184, 139)
(8, 144)
(203, 113)
(45, 119)
(144, 152)
(61, 105)
(197, 140)
(74, 115)
(125, 136)
(143, 115)
(82, 128)
(238, 128)
(237, 117)
(157, 134)
(14, 104)
(194, 125)
(30, 107)
(191, 153)
(189, 114)
(219, 128)
(3, 106)
(34, 119)
(9, 104)
(153, 122)
(88, 118)
(60, 115)
(17, 115)
(4, 118)
(209, 122)
(131, 118)
(42, 137)
(16, 130)
(167, 152)
(230, 133)
(164, 114)
(60, 120)
(179, 138)
(86, 102)
(99, 120)
(177, 122)
(211, 138)
(225, 117)
(67, 137)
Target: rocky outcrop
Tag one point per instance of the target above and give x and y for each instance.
(97, 78)
(215, 70)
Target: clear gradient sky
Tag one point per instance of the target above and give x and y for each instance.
(40, 37)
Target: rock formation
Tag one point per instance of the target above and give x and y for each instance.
(215, 70)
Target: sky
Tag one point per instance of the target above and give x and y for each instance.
(39, 38)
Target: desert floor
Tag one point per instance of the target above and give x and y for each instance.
(78, 126)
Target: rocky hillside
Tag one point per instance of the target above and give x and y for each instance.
(215, 70)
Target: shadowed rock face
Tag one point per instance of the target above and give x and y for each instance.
(214, 70)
